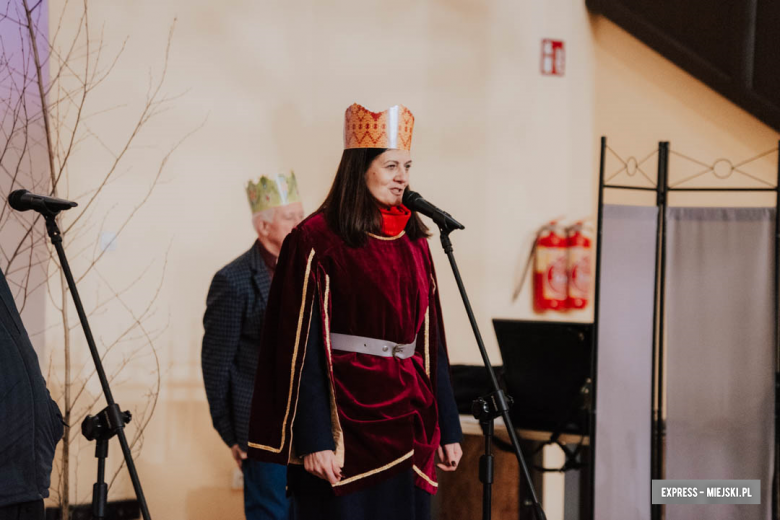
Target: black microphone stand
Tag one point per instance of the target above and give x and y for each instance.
(111, 420)
(486, 409)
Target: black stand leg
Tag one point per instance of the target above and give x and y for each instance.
(101, 428)
(100, 488)
(495, 405)
(486, 470)
(486, 415)
(111, 421)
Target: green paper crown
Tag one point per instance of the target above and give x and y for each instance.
(269, 193)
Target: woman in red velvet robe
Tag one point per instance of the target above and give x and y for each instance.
(352, 388)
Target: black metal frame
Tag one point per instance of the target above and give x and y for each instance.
(776, 482)
(661, 202)
(659, 312)
(662, 189)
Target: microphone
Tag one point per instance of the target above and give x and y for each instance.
(23, 200)
(415, 202)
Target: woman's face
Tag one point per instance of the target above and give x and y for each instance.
(388, 176)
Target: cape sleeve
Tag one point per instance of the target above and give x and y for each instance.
(449, 420)
(312, 428)
(282, 350)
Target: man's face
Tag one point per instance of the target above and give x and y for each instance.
(273, 233)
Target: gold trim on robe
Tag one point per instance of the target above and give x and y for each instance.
(338, 433)
(424, 476)
(427, 342)
(293, 457)
(294, 358)
(379, 237)
(375, 471)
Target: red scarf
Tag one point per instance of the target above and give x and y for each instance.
(394, 220)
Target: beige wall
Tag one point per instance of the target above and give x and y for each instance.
(641, 98)
(496, 144)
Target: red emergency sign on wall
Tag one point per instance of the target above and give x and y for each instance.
(553, 57)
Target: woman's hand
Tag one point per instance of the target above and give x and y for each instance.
(449, 456)
(323, 464)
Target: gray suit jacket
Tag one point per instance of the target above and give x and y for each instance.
(235, 309)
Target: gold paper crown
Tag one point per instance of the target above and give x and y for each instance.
(269, 193)
(389, 129)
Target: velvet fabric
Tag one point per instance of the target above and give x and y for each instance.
(384, 409)
(394, 220)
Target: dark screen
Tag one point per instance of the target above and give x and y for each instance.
(546, 364)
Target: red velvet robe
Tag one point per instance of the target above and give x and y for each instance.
(383, 410)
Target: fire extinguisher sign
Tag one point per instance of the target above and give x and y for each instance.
(553, 58)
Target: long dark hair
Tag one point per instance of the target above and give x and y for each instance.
(350, 209)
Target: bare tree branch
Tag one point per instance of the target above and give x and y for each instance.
(45, 120)
(136, 321)
(39, 76)
(146, 114)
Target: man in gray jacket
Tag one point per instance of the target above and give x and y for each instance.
(30, 421)
(235, 310)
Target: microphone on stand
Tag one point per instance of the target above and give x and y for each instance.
(23, 200)
(415, 202)
(496, 404)
(111, 420)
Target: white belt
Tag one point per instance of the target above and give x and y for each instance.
(372, 346)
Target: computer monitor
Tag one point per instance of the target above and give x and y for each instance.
(546, 367)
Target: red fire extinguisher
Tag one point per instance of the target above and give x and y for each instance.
(578, 266)
(550, 286)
